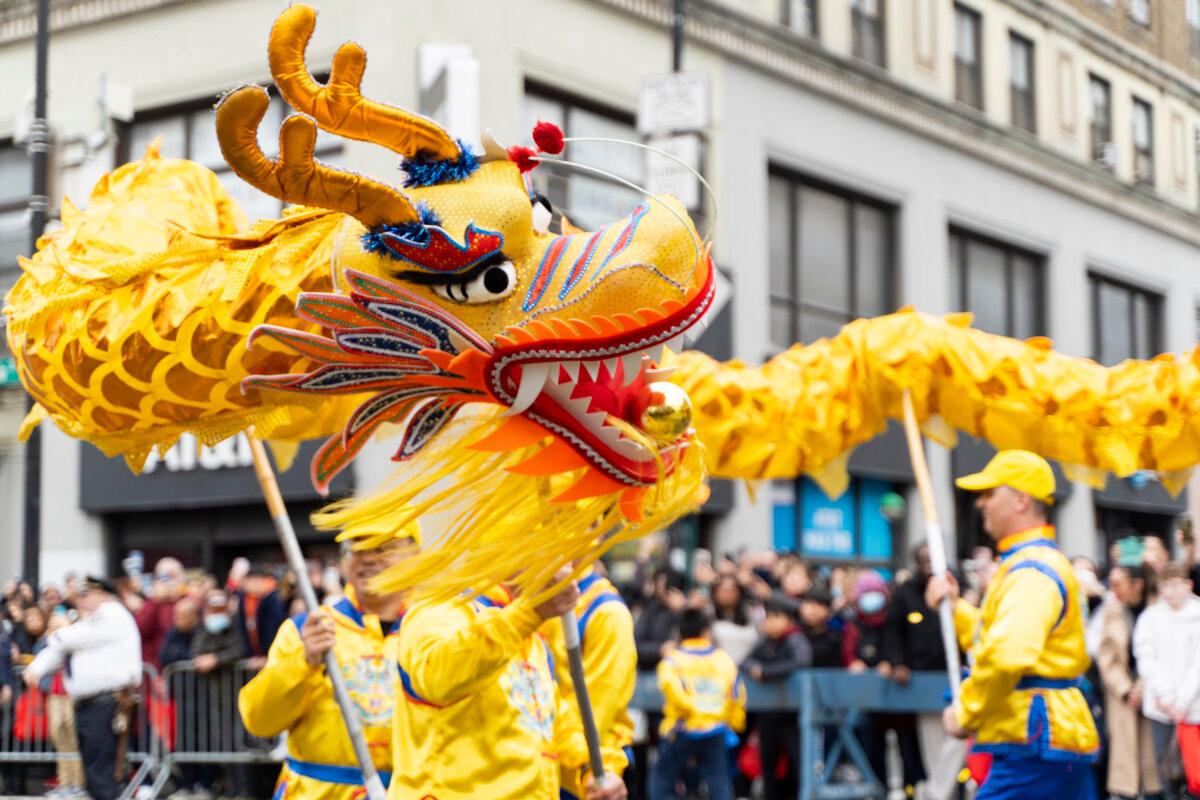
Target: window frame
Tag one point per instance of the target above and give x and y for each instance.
(796, 305)
(18, 204)
(1148, 23)
(1010, 250)
(568, 100)
(860, 22)
(1157, 302)
(1135, 104)
(1096, 155)
(1192, 12)
(1028, 96)
(814, 14)
(976, 71)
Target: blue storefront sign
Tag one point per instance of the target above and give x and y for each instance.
(847, 528)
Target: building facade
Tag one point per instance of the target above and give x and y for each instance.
(1034, 163)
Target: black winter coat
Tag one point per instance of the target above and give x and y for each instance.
(912, 635)
(779, 658)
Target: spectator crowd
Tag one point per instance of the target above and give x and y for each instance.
(758, 617)
(183, 618)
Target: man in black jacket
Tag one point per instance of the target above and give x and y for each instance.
(781, 651)
(912, 641)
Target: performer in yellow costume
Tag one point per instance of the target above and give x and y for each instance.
(610, 667)
(1022, 700)
(481, 715)
(293, 694)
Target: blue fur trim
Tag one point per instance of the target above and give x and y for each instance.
(422, 171)
(415, 232)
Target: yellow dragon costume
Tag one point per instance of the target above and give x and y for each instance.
(522, 359)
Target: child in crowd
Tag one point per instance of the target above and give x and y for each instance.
(704, 707)
(781, 651)
(826, 643)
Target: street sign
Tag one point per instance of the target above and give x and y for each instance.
(673, 102)
(667, 176)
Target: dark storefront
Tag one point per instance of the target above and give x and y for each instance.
(201, 505)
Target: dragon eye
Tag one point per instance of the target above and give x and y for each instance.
(543, 214)
(494, 283)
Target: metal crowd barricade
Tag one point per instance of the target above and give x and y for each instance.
(27, 735)
(200, 723)
(829, 700)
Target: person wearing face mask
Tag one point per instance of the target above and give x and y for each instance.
(1023, 699)
(292, 692)
(864, 647)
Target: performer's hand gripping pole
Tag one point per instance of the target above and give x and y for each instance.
(295, 559)
(935, 539)
(575, 663)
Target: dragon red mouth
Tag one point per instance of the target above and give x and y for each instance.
(575, 377)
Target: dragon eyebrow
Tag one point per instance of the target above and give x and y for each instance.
(423, 278)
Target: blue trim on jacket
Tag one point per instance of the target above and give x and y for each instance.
(332, 773)
(1050, 573)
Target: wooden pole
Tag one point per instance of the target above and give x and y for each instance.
(295, 559)
(570, 627)
(934, 537)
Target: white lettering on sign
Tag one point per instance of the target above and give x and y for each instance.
(188, 453)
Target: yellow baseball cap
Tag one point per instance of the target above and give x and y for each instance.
(374, 534)
(1017, 469)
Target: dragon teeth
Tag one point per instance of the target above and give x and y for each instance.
(659, 374)
(533, 380)
(611, 365)
(572, 369)
(655, 353)
(593, 369)
(631, 364)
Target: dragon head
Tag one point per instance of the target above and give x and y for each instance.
(464, 286)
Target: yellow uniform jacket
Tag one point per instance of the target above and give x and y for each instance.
(1027, 656)
(610, 666)
(290, 695)
(702, 691)
(480, 715)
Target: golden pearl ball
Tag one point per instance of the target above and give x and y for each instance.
(669, 414)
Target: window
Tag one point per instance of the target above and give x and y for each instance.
(799, 15)
(1139, 12)
(1001, 285)
(590, 201)
(1143, 142)
(832, 259)
(1020, 77)
(968, 61)
(1100, 99)
(1126, 321)
(866, 20)
(16, 183)
(1193, 20)
(189, 131)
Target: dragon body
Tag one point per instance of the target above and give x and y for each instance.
(516, 358)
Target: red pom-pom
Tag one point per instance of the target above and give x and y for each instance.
(523, 156)
(548, 137)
